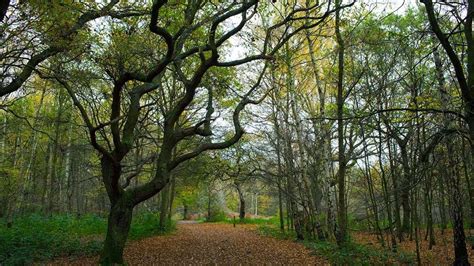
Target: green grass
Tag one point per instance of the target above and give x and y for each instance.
(276, 232)
(38, 238)
(259, 221)
(357, 254)
(351, 254)
(146, 224)
(217, 216)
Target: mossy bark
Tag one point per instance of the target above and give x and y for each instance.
(119, 222)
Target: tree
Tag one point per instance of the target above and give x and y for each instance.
(189, 60)
(341, 178)
(24, 29)
(465, 79)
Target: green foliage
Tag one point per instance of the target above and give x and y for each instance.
(217, 215)
(10, 182)
(273, 221)
(36, 238)
(358, 224)
(357, 254)
(276, 232)
(146, 224)
(39, 238)
(350, 254)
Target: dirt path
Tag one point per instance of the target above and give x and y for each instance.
(220, 244)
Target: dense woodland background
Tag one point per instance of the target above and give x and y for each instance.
(334, 121)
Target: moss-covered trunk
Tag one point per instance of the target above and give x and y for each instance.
(120, 218)
(164, 207)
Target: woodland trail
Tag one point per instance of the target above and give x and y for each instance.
(211, 244)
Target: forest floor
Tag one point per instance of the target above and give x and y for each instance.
(210, 243)
(442, 253)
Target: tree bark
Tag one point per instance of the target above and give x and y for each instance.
(120, 215)
(171, 198)
(185, 212)
(119, 221)
(460, 251)
(405, 191)
(278, 148)
(4, 4)
(165, 196)
(341, 235)
(242, 202)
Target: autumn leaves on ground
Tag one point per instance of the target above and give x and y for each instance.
(196, 243)
(209, 244)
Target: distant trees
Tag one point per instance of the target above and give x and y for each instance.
(240, 171)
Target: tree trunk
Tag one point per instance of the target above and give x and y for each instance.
(120, 214)
(341, 235)
(242, 203)
(416, 226)
(370, 186)
(470, 191)
(256, 204)
(405, 191)
(278, 154)
(429, 213)
(386, 195)
(120, 218)
(209, 198)
(280, 207)
(394, 177)
(3, 8)
(164, 207)
(185, 212)
(460, 251)
(171, 198)
(442, 200)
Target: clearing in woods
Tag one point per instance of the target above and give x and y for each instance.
(203, 243)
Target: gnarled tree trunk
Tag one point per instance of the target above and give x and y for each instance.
(119, 221)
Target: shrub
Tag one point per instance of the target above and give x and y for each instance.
(146, 224)
(350, 254)
(217, 216)
(274, 221)
(39, 238)
(276, 232)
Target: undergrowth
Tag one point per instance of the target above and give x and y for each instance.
(38, 238)
(259, 221)
(350, 254)
(357, 254)
(221, 217)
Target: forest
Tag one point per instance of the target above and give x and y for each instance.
(295, 132)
